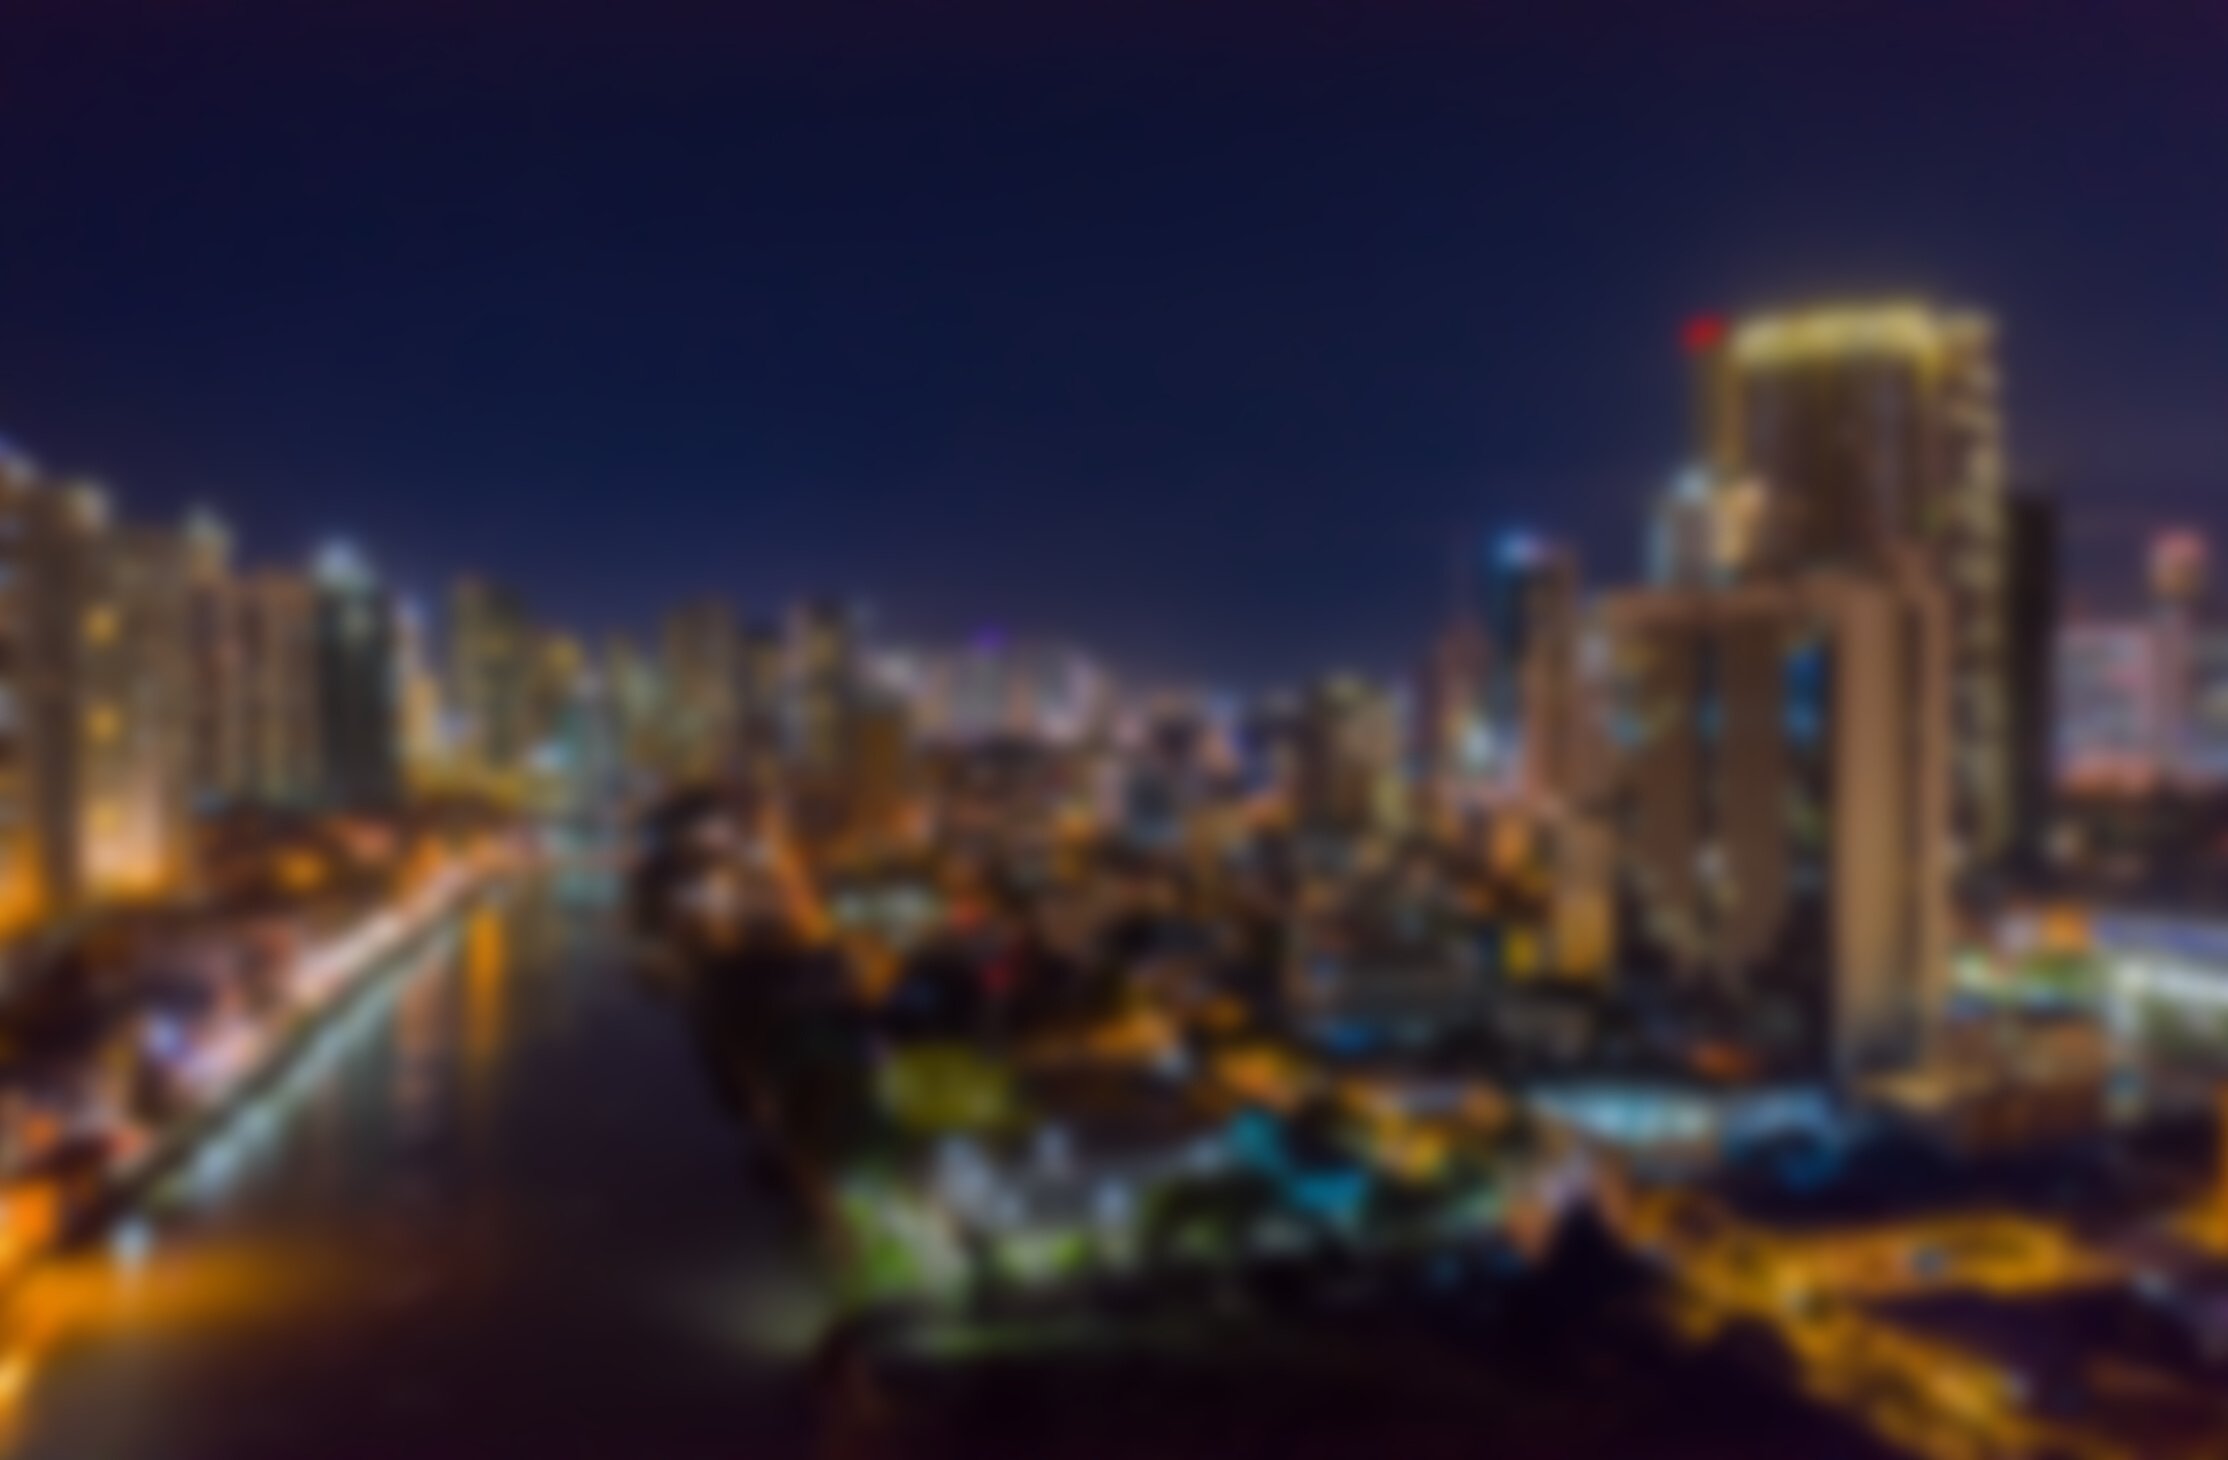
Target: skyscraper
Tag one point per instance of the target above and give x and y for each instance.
(703, 674)
(1783, 795)
(1532, 613)
(492, 647)
(826, 661)
(95, 723)
(1873, 426)
(285, 738)
(216, 630)
(358, 718)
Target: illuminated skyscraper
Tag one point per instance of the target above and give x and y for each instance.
(493, 646)
(216, 636)
(285, 765)
(425, 742)
(1344, 756)
(703, 673)
(826, 676)
(635, 692)
(1869, 427)
(1782, 799)
(96, 723)
(358, 719)
(1532, 615)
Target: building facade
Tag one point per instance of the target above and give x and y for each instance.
(1782, 800)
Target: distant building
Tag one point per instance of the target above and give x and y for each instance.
(1532, 613)
(634, 690)
(703, 675)
(419, 702)
(493, 644)
(359, 721)
(2108, 702)
(1452, 735)
(1344, 756)
(1707, 530)
(279, 663)
(826, 679)
(1782, 797)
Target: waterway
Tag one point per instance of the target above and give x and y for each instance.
(493, 1210)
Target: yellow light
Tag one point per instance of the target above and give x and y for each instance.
(101, 624)
(1898, 329)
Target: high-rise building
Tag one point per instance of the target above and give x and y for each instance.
(1783, 796)
(96, 724)
(2031, 627)
(635, 693)
(703, 674)
(358, 719)
(1345, 748)
(216, 631)
(763, 709)
(826, 660)
(1875, 426)
(419, 703)
(1532, 615)
(493, 646)
(1453, 738)
(285, 739)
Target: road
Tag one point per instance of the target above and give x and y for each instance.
(494, 1211)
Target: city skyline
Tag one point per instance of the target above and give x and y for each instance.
(498, 322)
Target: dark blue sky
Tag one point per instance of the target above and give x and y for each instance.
(1196, 330)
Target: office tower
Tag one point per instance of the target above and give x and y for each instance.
(425, 748)
(96, 761)
(1783, 796)
(279, 659)
(764, 699)
(558, 680)
(358, 718)
(879, 777)
(492, 648)
(635, 692)
(1453, 738)
(1532, 611)
(216, 631)
(1873, 426)
(1344, 755)
(141, 820)
(2031, 644)
(825, 674)
(703, 680)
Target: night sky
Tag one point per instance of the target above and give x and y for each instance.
(1199, 332)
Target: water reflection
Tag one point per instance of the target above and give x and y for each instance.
(496, 1166)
